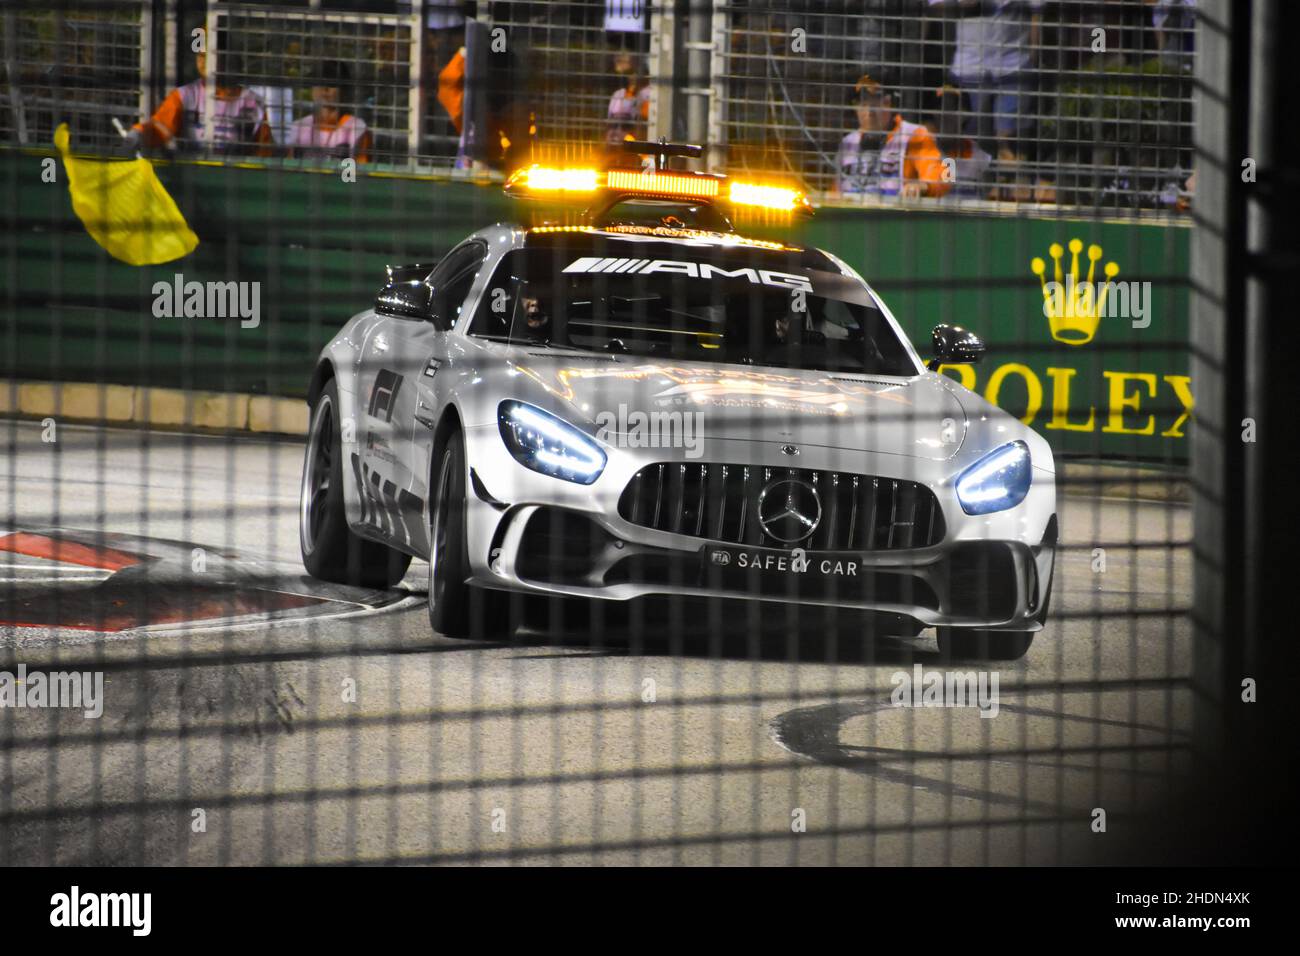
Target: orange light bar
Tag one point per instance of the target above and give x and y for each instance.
(547, 179)
(540, 180)
(768, 197)
(662, 184)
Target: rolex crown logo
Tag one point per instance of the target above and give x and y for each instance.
(1074, 307)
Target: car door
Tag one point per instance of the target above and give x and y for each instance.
(382, 375)
(401, 402)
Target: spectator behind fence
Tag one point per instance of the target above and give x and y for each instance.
(239, 125)
(444, 37)
(995, 53)
(629, 106)
(1175, 26)
(328, 133)
(451, 90)
(970, 162)
(886, 155)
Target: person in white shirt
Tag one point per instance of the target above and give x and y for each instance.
(994, 57)
(886, 155)
(327, 132)
(239, 124)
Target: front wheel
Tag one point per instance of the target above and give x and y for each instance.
(456, 608)
(448, 551)
(960, 643)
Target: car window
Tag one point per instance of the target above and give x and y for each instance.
(452, 280)
(728, 318)
(496, 308)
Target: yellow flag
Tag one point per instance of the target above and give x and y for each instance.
(125, 208)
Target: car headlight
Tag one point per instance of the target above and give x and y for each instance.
(998, 481)
(542, 442)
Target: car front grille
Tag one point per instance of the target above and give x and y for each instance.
(720, 503)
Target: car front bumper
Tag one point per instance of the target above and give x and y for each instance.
(531, 533)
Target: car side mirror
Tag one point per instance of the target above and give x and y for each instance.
(406, 299)
(953, 344)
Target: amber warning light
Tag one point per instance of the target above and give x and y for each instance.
(579, 183)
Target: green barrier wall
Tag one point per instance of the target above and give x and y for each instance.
(318, 246)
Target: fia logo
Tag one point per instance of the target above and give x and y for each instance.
(720, 558)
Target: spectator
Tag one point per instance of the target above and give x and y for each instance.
(1175, 26)
(1184, 202)
(629, 106)
(444, 36)
(498, 120)
(451, 90)
(239, 124)
(327, 132)
(970, 162)
(886, 155)
(995, 53)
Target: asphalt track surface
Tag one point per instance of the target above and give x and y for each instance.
(272, 720)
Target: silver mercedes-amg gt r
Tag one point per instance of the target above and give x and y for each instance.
(635, 406)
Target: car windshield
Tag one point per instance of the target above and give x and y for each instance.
(670, 302)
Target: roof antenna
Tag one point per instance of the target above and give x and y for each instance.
(662, 150)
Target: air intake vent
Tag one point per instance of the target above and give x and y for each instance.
(720, 503)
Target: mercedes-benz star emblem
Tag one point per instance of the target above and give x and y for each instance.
(789, 510)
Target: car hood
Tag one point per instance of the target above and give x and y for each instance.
(918, 416)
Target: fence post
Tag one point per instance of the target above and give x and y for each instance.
(415, 98)
(171, 77)
(210, 79)
(11, 74)
(663, 24)
(145, 99)
(716, 157)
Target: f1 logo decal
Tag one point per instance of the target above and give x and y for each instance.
(383, 396)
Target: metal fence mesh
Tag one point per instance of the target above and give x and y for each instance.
(1066, 102)
(83, 65)
(151, 458)
(365, 64)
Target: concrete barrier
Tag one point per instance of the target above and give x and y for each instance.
(153, 407)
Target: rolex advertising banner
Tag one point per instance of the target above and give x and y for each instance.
(1086, 321)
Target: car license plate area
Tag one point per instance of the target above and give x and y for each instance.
(786, 574)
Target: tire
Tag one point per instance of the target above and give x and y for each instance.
(456, 608)
(959, 643)
(330, 550)
(448, 548)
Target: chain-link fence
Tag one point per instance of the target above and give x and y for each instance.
(1026, 102)
(326, 86)
(1071, 103)
(733, 694)
(86, 65)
